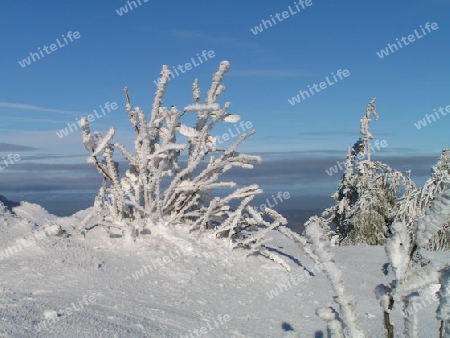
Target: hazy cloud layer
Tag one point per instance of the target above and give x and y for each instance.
(30, 107)
(339, 133)
(276, 169)
(39, 179)
(15, 147)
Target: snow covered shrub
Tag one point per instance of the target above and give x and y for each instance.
(175, 171)
(416, 202)
(367, 194)
(414, 270)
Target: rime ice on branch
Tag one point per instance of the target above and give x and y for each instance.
(365, 120)
(347, 312)
(413, 271)
(170, 181)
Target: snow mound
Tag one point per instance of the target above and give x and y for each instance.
(169, 284)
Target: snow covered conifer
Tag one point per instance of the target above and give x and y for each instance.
(367, 194)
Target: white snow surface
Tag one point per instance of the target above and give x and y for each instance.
(88, 287)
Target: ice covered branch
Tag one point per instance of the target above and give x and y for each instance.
(321, 247)
(175, 172)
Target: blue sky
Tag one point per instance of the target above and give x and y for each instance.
(297, 143)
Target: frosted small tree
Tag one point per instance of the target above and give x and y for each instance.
(367, 194)
(158, 187)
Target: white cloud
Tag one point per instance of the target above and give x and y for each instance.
(268, 73)
(35, 108)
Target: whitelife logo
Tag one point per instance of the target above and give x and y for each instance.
(323, 85)
(124, 9)
(431, 118)
(243, 126)
(53, 47)
(284, 14)
(11, 158)
(90, 117)
(411, 38)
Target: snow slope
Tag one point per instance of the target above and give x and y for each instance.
(97, 287)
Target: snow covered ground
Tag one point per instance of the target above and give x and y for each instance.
(170, 285)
